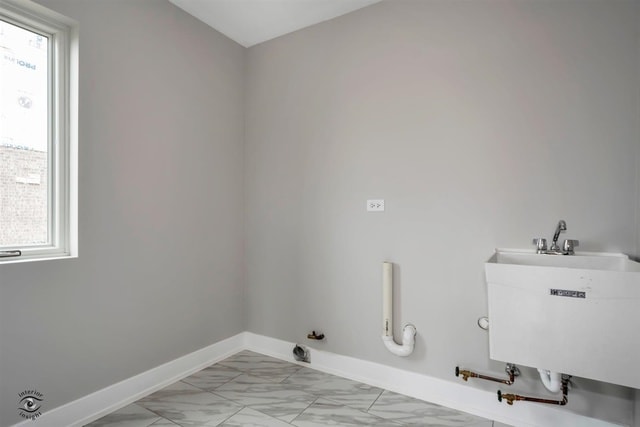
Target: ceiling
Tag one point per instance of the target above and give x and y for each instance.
(250, 22)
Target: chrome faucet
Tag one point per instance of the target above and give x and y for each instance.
(562, 226)
(567, 247)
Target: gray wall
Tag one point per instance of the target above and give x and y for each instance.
(480, 123)
(160, 269)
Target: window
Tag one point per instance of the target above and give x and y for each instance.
(38, 133)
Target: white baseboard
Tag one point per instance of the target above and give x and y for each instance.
(446, 393)
(102, 402)
(450, 394)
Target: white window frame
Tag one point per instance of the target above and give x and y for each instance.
(62, 33)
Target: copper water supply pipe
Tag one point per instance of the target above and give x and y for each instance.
(510, 398)
(469, 374)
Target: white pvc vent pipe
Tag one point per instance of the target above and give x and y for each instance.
(551, 380)
(408, 332)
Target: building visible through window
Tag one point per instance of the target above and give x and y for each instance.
(24, 137)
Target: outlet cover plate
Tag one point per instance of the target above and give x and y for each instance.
(375, 205)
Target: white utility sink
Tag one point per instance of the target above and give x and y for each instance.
(582, 260)
(575, 314)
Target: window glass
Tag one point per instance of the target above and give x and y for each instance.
(25, 211)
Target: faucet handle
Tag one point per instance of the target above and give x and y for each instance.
(541, 244)
(569, 245)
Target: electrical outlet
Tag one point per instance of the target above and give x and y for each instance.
(376, 205)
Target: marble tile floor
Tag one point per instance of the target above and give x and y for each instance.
(250, 389)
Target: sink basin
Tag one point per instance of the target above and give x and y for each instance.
(583, 260)
(574, 314)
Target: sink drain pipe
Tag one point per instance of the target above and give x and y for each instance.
(409, 330)
(551, 380)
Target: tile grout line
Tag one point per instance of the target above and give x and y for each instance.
(147, 409)
(165, 419)
(226, 382)
(374, 401)
(290, 375)
(302, 412)
(230, 416)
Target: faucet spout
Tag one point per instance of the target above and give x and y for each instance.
(562, 226)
